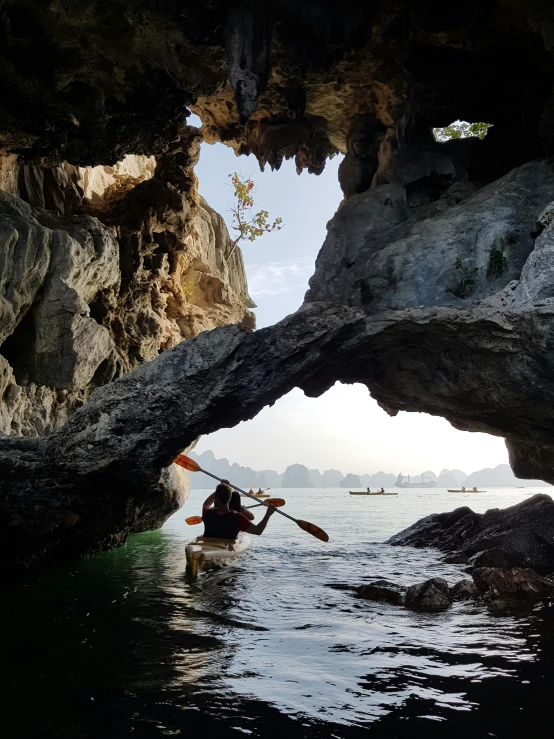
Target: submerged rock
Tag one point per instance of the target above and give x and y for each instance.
(519, 536)
(431, 595)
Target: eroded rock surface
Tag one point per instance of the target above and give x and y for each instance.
(87, 297)
(519, 536)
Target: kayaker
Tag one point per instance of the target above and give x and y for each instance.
(382, 490)
(368, 490)
(223, 523)
(236, 503)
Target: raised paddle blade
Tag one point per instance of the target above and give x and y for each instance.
(189, 464)
(277, 502)
(313, 529)
(193, 520)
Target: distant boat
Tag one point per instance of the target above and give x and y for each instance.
(465, 490)
(364, 492)
(423, 484)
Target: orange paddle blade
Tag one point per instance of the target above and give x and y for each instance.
(277, 502)
(193, 520)
(188, 463)
(313, 530)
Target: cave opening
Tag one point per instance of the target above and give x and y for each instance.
(279, 264)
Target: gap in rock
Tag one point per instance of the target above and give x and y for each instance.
(278, 265)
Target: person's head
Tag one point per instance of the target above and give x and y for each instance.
(223, 494)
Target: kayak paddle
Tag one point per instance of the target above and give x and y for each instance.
(193, 520)
(277, 502)
(189, 464)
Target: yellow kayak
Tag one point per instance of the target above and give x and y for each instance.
(465, 491)
(207, 553)
(354, 492)
(256, 495)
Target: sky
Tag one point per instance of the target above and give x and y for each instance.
(344, 428)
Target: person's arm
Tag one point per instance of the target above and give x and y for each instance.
(259, 528)
(208, 503)
(245, 512)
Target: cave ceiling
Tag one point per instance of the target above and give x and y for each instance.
(91, 81)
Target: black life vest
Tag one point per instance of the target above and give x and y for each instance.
(221, 527)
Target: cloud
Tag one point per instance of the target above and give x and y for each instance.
(278, 278)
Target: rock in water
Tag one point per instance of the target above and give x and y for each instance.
(519, 536)
(431, 595)
(382, 590)
(297, 476)
(464, 590)
(522, 583)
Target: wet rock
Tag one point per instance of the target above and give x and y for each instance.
(518, 582)
(431, 595)
(509, 607)
(464, 590)
(488, 558)
(519, 536)
(383, 591)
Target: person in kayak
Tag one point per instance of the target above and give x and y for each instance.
(221, 522)
(236, 503)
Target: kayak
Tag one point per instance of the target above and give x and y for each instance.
(256, 495)
(208, 553)
(355, 492)
(465, 491)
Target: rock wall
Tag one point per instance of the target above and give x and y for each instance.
(85, 298)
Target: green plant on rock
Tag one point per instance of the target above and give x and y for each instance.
(467, 282)
(246, 224)
(498, 264)
(462, 130)
(189, 288)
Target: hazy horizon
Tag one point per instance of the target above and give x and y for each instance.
(345, 428)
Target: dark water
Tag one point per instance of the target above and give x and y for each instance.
(122, 645)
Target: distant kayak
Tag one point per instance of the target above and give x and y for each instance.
(465, 491)
(208, 553)
(356, 492)
(256, 495)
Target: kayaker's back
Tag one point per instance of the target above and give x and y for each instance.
(221, 527)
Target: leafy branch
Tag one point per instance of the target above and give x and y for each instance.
(245, 224)
(462, 130)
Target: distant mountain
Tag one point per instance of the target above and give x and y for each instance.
(299, 476)
(351, 481)
(500, 476)
(332, 478)
(296, 476)
(316, 478)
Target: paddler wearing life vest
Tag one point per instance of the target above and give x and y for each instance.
(221, 522)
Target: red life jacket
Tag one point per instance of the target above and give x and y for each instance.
(221, 527)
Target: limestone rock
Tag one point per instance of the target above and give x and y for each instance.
(430, 596)
(519, 536)
(296, 476)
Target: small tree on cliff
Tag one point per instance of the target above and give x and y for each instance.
(246, 224)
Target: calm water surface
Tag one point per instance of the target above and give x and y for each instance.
(121, 644)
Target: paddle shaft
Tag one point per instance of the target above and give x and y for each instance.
(249, 495)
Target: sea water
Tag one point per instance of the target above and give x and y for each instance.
(123, 645)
